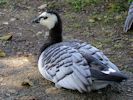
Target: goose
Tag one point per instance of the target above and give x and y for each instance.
(73, 64)
(129, 19)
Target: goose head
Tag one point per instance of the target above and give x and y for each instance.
(52, 21)
(49, 19)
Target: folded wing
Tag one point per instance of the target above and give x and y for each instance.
(129, 20)
(66, 67)
(100, 66)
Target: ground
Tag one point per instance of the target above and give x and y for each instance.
(100, 24)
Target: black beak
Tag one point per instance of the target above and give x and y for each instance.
(36, 20)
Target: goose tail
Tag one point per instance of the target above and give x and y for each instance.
(108, 75)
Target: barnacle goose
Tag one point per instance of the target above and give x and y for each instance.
(129, 20)
(73, 65)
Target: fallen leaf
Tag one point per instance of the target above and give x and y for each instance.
(99, 18)
(2, 53)
(2, 84)
(27, 83)
(118, 17)
(12, 19)
(39, 33)
(27, 98)
(6, 37)
(105, 16)
(1, 79)
(5, 23)
(53, 90)
(91, 20)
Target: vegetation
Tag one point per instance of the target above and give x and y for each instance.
(130, 1)
(115, 6)
(118, 6)
(2, 2)
(80, 4)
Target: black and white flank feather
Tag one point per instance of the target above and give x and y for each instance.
(129, 20)
(74, 64)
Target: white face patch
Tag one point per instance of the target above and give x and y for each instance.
(50, 21)
(110, 70)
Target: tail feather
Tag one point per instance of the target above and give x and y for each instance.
(113, 76)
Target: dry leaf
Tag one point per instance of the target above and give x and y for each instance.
(27, 98)
(91, 20)
(6, 37)
(27, 83)
(2, 53)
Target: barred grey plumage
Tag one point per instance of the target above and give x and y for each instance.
(129, 20)
(74, 64)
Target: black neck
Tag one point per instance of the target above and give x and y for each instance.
(55, 36)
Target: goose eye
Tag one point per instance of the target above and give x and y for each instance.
(45, 17)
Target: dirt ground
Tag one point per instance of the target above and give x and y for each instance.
(19, 76)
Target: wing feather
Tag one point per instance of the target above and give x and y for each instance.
(129, 19)
(66, 63)
(128, 22)
(95, 56)
(80, 76)
(69, 66)
(80, 86)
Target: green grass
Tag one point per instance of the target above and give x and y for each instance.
(130, 1)
(3, 2)
(78, 5)
(118, 6)
(114, 5)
